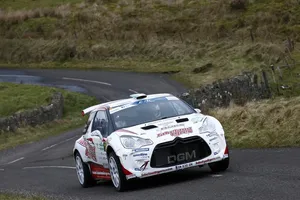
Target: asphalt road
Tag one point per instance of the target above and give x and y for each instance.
(47, 167)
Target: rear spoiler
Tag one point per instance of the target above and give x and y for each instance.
(90, 109)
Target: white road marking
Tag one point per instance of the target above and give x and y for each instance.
(42, 167)
(1, 169)
(58, 143)
(133, 91)
(15, 160)
(217, 175)
(84, 80)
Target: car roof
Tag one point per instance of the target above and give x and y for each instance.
(124, 102)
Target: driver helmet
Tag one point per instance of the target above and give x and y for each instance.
(119, 121)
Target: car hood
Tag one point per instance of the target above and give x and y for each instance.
(167, 129)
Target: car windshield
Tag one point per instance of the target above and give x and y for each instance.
(144, 111)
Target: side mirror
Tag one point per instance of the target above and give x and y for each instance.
(197, 110)
(96, 133)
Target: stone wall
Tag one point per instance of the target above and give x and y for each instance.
(35, 116)
(238, 90)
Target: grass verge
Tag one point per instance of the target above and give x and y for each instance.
(266, 124)
(74, 103)
(6, 196)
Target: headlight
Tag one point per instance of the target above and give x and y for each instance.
(132, 142)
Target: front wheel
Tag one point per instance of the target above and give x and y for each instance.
(117, 176)
(221, 165)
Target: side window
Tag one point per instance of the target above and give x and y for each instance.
(101, 124)
(87, 124)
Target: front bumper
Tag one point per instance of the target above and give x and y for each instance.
(178, 154)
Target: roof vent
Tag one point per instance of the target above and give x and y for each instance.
(138, 96)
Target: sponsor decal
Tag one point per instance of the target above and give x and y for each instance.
(140, 155)
(212, 134)
(118, 108)
(207, 160)
(95, 133)
(90, 150)
(82, 142)
(130, 176)
(102, 157)
(171, 126)
(143, 167)
(137, 169)
(101, 173)
(212, 139)
(179, 167)
(140, 150)
(149, 100)
(181, 157)
(176, 132)
(105, 165)
(157, 172)
(217, 149)
(100, 146)
(164, 123)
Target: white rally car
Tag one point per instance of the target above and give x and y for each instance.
(146, 135)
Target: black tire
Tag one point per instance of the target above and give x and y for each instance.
(123, 183)
(87, 180)
(221, 165)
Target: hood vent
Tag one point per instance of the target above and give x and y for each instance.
(149, 127)
(182, 120)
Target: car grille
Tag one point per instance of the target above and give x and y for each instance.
(179, 151)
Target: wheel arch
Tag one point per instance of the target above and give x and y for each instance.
(109, 150)
(75, 152)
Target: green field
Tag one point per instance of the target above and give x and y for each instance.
(20, 97)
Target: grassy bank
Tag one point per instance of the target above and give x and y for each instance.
(270, 123)
(20, 97)
(151, 36)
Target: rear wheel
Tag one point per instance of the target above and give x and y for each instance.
(117, 176)
(83, 173)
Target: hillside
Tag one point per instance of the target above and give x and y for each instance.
(201, 40)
